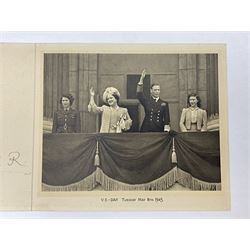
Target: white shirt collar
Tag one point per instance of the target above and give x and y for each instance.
(156, 98)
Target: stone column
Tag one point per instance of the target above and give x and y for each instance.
(202, 79)
(188, 81)
(87, 78)
(192, 78)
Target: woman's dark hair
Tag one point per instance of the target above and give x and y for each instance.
(116, 97)
(69, 96)
(197, 97)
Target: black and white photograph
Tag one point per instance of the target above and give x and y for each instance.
(122, 121)
(120, 127)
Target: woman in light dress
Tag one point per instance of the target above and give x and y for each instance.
(193, 118)
(115, 119)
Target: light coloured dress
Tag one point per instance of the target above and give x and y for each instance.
(193, 120)
(114, 120)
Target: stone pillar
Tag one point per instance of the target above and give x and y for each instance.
(183, 81)
(192, 78)
(188, 82)
(87, 78)
(202, 79)
(192, 73)
(74, 78)
(212, 84)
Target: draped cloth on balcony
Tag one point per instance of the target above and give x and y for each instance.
(135, 158)
(130, 161)
(68, 161)
(198, 157)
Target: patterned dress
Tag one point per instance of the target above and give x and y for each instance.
(193, 120)
(114, 120)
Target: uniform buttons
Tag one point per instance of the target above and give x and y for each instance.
(151, 120)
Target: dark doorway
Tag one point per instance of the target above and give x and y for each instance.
(132, 81)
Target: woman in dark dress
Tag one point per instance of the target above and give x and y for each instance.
(66, 120)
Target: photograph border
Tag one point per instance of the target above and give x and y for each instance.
(172, 200)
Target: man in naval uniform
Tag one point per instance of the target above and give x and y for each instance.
(157, 117)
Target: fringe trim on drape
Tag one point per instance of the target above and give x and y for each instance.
(187, 180)
(161, 183)
(87, 184)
